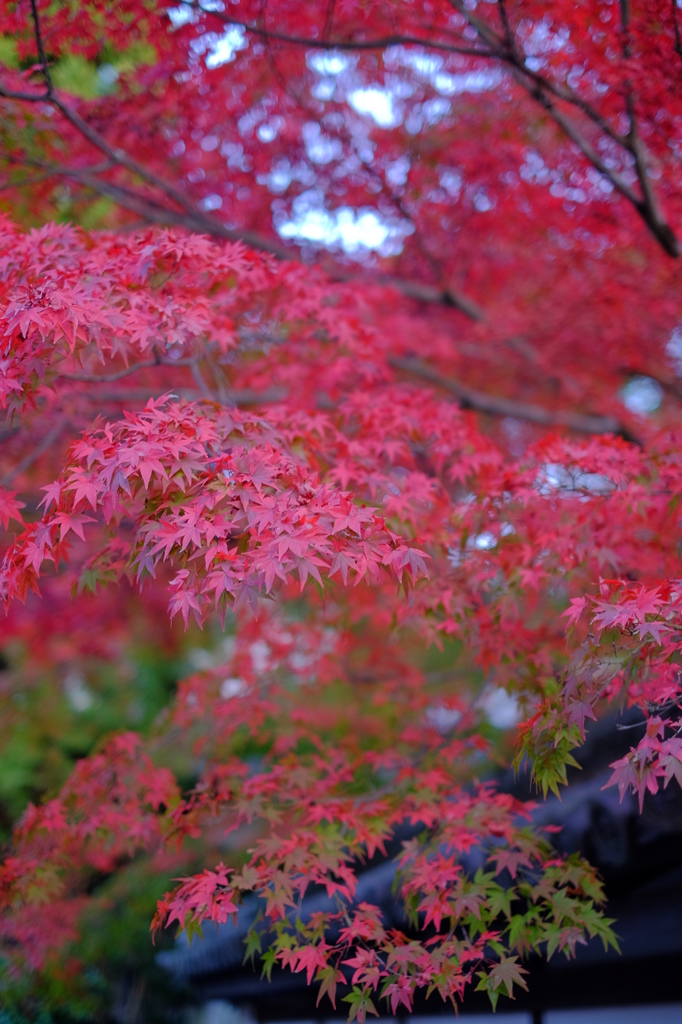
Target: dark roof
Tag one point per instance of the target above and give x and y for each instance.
(639, 856)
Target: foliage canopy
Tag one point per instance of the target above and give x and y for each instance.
(352, 330)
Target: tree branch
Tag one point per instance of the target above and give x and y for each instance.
(24, 97)
(651, 210)
(413, 289)
(47, 441)
(192, 218)
(241, 397)
(44, 67)
(147, 364)
(155, 213)
(676, 24)
(538, 88)
(494, 405)
(324, 43)
(427, 293)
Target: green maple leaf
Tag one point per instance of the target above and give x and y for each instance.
(268, 960)
(499, 902)
(191, 929)
(360, 1005)
(253, 945)
(517, 928)
(330, 977)
(502, 976)
(508, 973)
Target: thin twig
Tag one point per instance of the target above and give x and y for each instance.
(539, 89)
(94, 378)
(650, 208)
(498, 406)
(329, 19)
(44, 67)
(495, 52)
(427, 293)
(200, 382)
(192, 218)
(154, 213)
(24, 97)
(241, 397)
(40, 449)
(323, 43)
(676, 24)
(416, 290)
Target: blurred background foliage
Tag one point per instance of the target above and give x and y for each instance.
(52, 715)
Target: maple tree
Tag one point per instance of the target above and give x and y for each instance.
(403, 478)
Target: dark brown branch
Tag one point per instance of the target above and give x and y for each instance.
(24, 97)
(192, 218)
(540, 89)
(147, 364)
(676, 25)
(335, 44)
(507, 52)
(583, 144)
(650, 208)
(117, 156)
(155, 213)
(329, 19)
(532, 81)
(427, 293)
(324, 43)
(413, 289)
(241, 397)
(204, 389)
(42, 56)
(495, 405)
(496, 52)
(47, 441)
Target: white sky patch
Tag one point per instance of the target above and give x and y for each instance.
(354, 231)
(572, 482)
(500, 708)
(379, 104)
(469, 81)
(180, 16)
(543, 38)
(78, 694)
(443, 719)
(334, 69)
(483, 201)
(108, 75)
(674, 347)
(484, 541)
(224, 48)
(260, 656)
(331, 62)
(430, 68)
(233, 686)
(212, 202)
(423, 63)
(321, 148)
(451, 180)
(384, 103)
(642, 395)
(267, 132)
(397, 172)
(282, 173)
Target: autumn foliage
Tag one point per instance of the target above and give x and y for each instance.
(389, 483)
